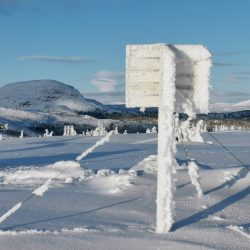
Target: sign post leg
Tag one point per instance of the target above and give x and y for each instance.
(166, 145)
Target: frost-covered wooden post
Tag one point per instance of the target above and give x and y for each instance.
(170, 77)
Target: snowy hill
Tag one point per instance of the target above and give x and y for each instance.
(230, 107)
(43, 95)
(34, 106)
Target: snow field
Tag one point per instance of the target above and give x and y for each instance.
(113, 204)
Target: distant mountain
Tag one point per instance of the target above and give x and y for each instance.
(44, 96)
(230, 107)
(33, 106)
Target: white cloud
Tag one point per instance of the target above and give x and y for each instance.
(229, 96)
(105, 85)
(107, 81)
(117, 97)
(46, 58)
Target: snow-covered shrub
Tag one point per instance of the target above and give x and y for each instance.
(72, 130)
(116, 131)
(154, 130)
(100, 130)
(47, 133)
(187, 131)
(125, 132)
(148, 131)
(21, 134)
(88, 133)
(223, 127)
(104, 172)
(1, 137)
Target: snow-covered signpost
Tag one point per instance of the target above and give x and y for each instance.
(171, 77)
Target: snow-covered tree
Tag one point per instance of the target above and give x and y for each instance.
(116, 131)
(186, 131)
(47, 133)
(99, 130)
(154, 130)
(21, 135)
(69, 130)
(72, 130)
(88, 133)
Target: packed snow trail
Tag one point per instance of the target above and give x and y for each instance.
(97, 144)
(45, 187)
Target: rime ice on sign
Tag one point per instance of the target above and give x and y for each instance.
(144, 76)
(169, 77)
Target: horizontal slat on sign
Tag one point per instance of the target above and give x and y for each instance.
(147, 89)
(144, 51)
(147, 64)
(142, 101)
(142, 76)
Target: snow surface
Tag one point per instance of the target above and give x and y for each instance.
(109, 199)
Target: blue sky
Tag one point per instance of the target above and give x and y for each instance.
(82, 42)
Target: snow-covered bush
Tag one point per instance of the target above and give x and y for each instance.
(88, 133)
(226, 128)
(47, 133)
(100, 130)
(116, 131)
(187, 131)
(1, 137)
(21, 134)
(154, 130)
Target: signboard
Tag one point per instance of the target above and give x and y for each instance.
(168, 77)
(143, 75)
(144, 66)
